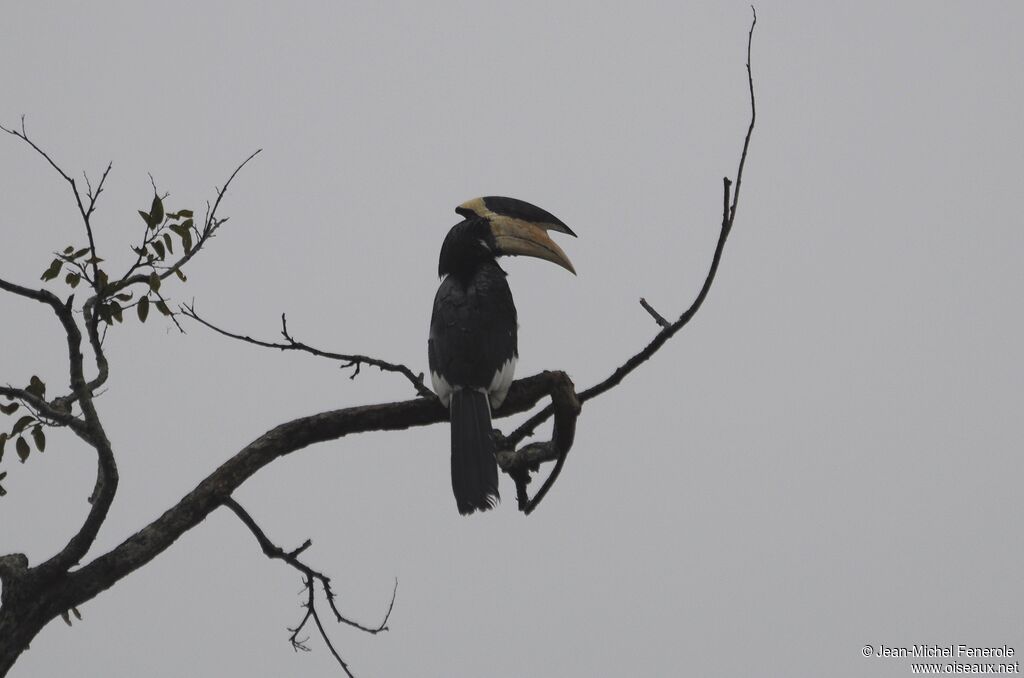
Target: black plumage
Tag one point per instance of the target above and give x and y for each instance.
(472, 347)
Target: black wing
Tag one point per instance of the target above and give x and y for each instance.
(473, 328)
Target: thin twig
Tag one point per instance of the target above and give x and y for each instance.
(99, 189)
(173, 315)
(323, 633)
(750, 128)
(310, 577)
(23, 135)
(291, 344)
(658, 318)
(84, 211)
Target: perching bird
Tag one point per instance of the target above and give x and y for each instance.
(472, 347)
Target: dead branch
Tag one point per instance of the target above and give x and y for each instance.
(290, 344)
(519, 463)
(83, 210)
(310, 577)
(669, 330)
(658, 318)
(89, 428)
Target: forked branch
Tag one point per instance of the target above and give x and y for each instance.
(668, 329)
(348, 360)
(309, 577)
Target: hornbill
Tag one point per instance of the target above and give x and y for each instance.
(472, 347)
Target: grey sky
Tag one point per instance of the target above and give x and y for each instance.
(823, 459)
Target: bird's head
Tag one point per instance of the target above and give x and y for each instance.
(496, 226)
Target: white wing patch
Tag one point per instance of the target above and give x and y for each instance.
(501, 382)
(497, 390)
(441, 387)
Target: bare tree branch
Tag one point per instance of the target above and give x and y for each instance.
(90, 430)
(567, 409)
(92, 329)
(728, 216)
(99, 189)
(282, 440)
(310, 577)
(58, 412)
(753, 117)
(34, 596)
(654, 314)
(23, 135)
(290, 344)
(85, 212)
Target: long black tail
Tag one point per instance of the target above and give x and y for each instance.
(474, 468)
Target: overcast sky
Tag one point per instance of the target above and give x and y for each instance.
(827, 457)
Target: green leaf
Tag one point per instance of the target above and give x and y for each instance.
(10, 408)
(39, 438)
(141, 251)
(180, 275)
(22, 448)
(69, 249)
(69, 257)
(143, 309)
(101, 279)
(22, 424)
(184, 232)
(124, 296)
(154, 281)
(36, 387)
(115, 311)
(156, 211)
(145, 217)
(168, 243)
(73, 279)
(185, 213)
(159, 247)
(162, 307)
(53, 271)
(104, 312)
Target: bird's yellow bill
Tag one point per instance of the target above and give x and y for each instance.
(515, 236)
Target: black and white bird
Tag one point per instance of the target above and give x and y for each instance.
(472, 347)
